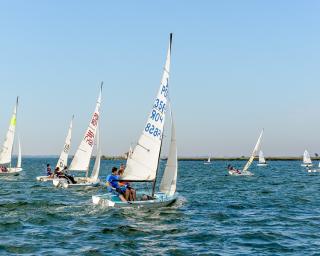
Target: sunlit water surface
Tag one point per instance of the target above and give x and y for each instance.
(275, 212)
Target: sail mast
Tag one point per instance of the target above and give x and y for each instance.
(19, 155)
(157, 171)
(17, 102)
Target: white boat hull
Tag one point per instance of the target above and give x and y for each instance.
(208, 163)
(262, 164)
(246, 173)
(44, 178)
(313, 170)
(81, 183)
(11, 172)
(306, 165)
(111, 200)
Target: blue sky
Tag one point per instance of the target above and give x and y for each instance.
(237, 67)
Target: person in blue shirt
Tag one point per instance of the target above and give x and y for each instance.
(49, 172)
(112, 183)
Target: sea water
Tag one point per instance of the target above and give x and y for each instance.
(274, 212)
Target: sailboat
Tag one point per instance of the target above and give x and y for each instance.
(143, 164)
(306, 159)
(81, 159)
(262, 160)
(245, 171)
(63, 159)
(7, 148)
(208, 161)
(314, 170)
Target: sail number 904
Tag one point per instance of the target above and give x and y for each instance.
(151, 129)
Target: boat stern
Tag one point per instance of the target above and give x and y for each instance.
(102, 201)
(56, 182)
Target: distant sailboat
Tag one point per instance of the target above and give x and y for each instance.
(312, 170)
(143, 164)
(81, 159)
(208, 161)
(7, 148)
(245, 171)
(63, 159)
(306, 159)
(262, 160)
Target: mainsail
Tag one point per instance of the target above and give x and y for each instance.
(82, 156)
(262, 160)
(254, 153)
(6, 152)
(306, 158)
(63, 159)
(169, 178)
(143, 162)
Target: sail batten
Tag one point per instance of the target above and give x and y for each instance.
(142, 163)
(81, 159)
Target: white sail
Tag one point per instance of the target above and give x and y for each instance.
(96, 167)
(6, 152)
(143, 163)
(19, 155)
(262, 160)
(169, 178)
(254, 152)
(209, 160)
(81, 159)
(63, 159)
(306, 158)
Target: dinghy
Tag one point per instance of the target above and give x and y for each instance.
(143, 163)
(245, 172)
(81, 159)
(63, 159)
(7, 148)
(306, 159)
(313, 170)
(262, 160)
(208, 161)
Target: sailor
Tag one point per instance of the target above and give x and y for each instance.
(70, 177)
(113, 184)
(4, 169)
(58, 172)
(49, 172)
(130, 193)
